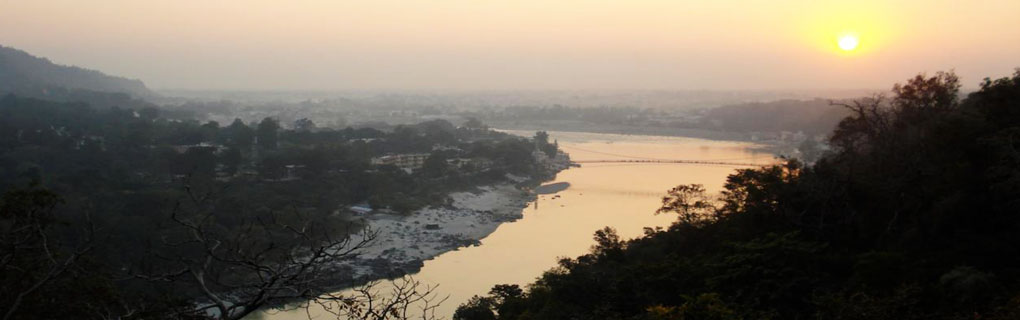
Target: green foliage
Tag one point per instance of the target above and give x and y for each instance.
(706, 306)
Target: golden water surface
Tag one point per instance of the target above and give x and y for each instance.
(620, 195)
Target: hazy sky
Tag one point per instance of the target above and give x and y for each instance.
(518, 44)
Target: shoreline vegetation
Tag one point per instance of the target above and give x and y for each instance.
(911, 215)
(583, 127)
(775, 145)
(230, 219)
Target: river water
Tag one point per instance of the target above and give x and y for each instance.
(620, 195)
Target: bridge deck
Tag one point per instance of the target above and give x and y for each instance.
(708, 162)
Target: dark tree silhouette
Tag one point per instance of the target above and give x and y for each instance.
(32, 257)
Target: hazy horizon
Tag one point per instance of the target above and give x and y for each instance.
(521, 45)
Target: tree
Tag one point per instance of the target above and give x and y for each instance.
(477, 308)
(231, 160)
(869, 120)
(435, 166)
(33, 260)
(148, 114)
(210, 130)
(406, 298)
(706, 306)
(267, 133)
(919, 187)
(542, 144)
(504, 301)
(541, 137)
(509, 298)
(304, 125)
(197, 161)
(266, 261)
(239, 134)
(116, 162)
(923, 95)
(690, 203)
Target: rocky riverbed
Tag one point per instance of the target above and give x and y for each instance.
(405, 242)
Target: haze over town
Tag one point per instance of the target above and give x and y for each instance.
(509, 160)
(517, 45)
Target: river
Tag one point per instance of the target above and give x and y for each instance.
(620, 195)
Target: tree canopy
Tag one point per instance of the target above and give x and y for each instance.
(914, 215)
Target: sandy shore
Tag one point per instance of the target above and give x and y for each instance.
(404, 242)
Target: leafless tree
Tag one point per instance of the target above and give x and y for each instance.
(30, 257)
(269, 260)
(404, 298)
(869, 120)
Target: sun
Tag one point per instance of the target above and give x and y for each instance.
(847, 42)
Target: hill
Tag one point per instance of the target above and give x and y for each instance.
(913, 215)
(817, 116)
(26, 75)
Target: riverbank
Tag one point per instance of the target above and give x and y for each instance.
(579, 202)
(775, 147)
(405, 242)
(581, 126)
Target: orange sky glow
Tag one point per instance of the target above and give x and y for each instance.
(522, 44)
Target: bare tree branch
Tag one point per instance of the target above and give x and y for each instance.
(267, 261)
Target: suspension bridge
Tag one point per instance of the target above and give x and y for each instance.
(622, 158)
(701, 162)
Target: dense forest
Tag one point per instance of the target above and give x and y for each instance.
(912, 215)
(119, 212)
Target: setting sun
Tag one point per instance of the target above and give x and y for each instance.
(848, 42)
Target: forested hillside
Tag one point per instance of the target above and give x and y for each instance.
(915, 214)
(27, 75)
(813, 117)
(123, 213)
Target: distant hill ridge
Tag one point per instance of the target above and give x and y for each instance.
(24, 74)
